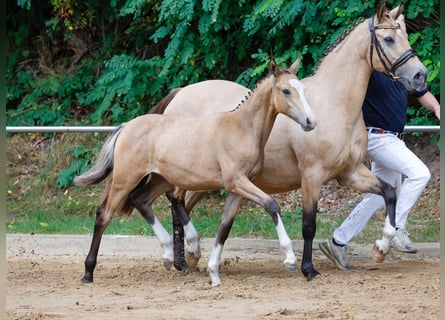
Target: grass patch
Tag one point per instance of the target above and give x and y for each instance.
(249, 223)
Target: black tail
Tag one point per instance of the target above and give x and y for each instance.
(162, 105)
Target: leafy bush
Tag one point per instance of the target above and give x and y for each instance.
(105, 63)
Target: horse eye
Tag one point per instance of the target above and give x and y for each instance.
(286, 92)
(389, 40)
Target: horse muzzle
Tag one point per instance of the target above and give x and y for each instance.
(417, 82)
(310, 124)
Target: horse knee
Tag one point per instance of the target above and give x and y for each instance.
(309, 222)
(388, 192)
(309, 230)
(273, 209)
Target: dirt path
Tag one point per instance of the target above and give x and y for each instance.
(130, 283)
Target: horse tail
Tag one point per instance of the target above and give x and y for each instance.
(162, 105)
(104, 163)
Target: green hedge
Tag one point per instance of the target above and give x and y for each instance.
(105, 62)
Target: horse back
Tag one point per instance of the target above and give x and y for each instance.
(207, 97)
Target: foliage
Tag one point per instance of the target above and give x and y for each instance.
(105, 62)
(120, 91)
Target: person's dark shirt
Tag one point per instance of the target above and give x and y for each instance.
(386, 102)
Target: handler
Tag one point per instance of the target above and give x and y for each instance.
(384, 112)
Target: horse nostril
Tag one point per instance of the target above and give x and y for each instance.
(310, 123)
(420, 77)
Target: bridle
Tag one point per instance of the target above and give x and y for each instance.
(375, 43)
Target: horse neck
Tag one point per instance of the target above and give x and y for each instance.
(342, 78)
(258, 112)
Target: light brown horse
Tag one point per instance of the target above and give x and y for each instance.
(336, 148)
(151, 154)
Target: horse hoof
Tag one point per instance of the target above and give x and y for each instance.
(377, 255)
(311, 275)
(193, 269)
(86, 280)
(181, 266)
(167, 264)
(192, 259)
(291, 267)
(215, 281)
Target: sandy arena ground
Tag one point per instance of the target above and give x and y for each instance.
(43, 282)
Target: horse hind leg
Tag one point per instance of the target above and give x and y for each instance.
(365, 180)
(99, 228)
(181, 222)
(180, 219)
(104, 214)
(142, 197)
(381, 246)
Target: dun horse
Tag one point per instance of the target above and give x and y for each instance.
(151, 154)
(336, 148)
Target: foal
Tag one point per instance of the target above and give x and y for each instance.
(154, 154)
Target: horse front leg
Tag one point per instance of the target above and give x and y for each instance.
(309, 228)
(252, 192)
(274, 211)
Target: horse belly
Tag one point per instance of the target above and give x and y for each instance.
(193, 177)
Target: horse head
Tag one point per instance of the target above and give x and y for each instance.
(390, 51)
(289, 95)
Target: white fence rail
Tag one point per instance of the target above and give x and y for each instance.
(11, 129)
(408, 128)
(61, 129)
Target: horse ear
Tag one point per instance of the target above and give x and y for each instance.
(383, 10)
(396, 12)
(294, 67)
(273, 67)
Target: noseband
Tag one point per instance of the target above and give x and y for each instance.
(375, 43)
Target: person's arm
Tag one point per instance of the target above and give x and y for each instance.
(430, 102)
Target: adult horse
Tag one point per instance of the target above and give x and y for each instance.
(153, 154)
(336, 149)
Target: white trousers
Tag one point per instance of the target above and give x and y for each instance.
(390, 157)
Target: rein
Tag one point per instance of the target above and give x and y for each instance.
(375, 43)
